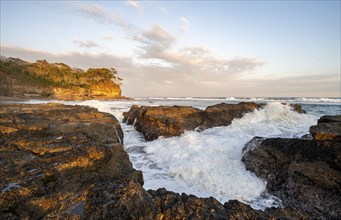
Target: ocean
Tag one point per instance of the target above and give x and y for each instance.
(208, 163)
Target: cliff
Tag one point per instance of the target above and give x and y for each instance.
(56, 81)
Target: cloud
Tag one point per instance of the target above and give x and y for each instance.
(108, 37)
(156, 36)
(318, 85)
(75, 59)
(134, 4)
(158, 44)
(85, 43)
(184, 24)
(103, 15)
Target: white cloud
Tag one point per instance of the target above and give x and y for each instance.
(103, 15)
(108, 37)
(134, 4)
(184, 24)
(157, 35)
(159, 44)
(85, 43)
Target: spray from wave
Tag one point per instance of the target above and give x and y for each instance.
(209, 163)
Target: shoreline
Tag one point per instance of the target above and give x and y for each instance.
(83, 166)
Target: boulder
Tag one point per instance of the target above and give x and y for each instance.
(304, 173)
(298, 108)
(130, 116)
(167, 121)
(327, 128)
(223, 114)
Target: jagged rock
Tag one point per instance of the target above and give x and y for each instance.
(130, 116)
(51, 157)
(67, 162)
(170, 121)
(170, 205)
(329, 118)
(327, 128)
(304, 173)
(298, 108)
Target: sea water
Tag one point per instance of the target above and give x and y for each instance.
(208, 163)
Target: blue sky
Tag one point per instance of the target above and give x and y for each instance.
(186, 48)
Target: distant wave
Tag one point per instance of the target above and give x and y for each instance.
(309, 100)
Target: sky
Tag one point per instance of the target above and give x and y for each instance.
(186, 48)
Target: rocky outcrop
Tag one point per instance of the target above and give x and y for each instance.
(169, 121)
(223, 114)
(67, 162)
(53, 156)
(328, 128)
(304, 173)
(169, 205)
(41, 80)
(130, 116)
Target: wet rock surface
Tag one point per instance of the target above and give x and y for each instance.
(304, 173)
(223, 114)
(52, 156)
(67, 162)
(169, 121)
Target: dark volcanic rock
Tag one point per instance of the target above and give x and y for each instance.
(167, 121)
(327, 128)
(329, 118)
(170, 121)
(223, 114)
(130, 116)
(298, 108)
(170, 205)
(304, 173)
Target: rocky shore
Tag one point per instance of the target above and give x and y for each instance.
(68, 162)
(169, 121)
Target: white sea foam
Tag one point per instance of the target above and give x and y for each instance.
(209, 163)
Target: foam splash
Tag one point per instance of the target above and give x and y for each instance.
(209, 163)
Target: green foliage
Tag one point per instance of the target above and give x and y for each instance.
(59, 74)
